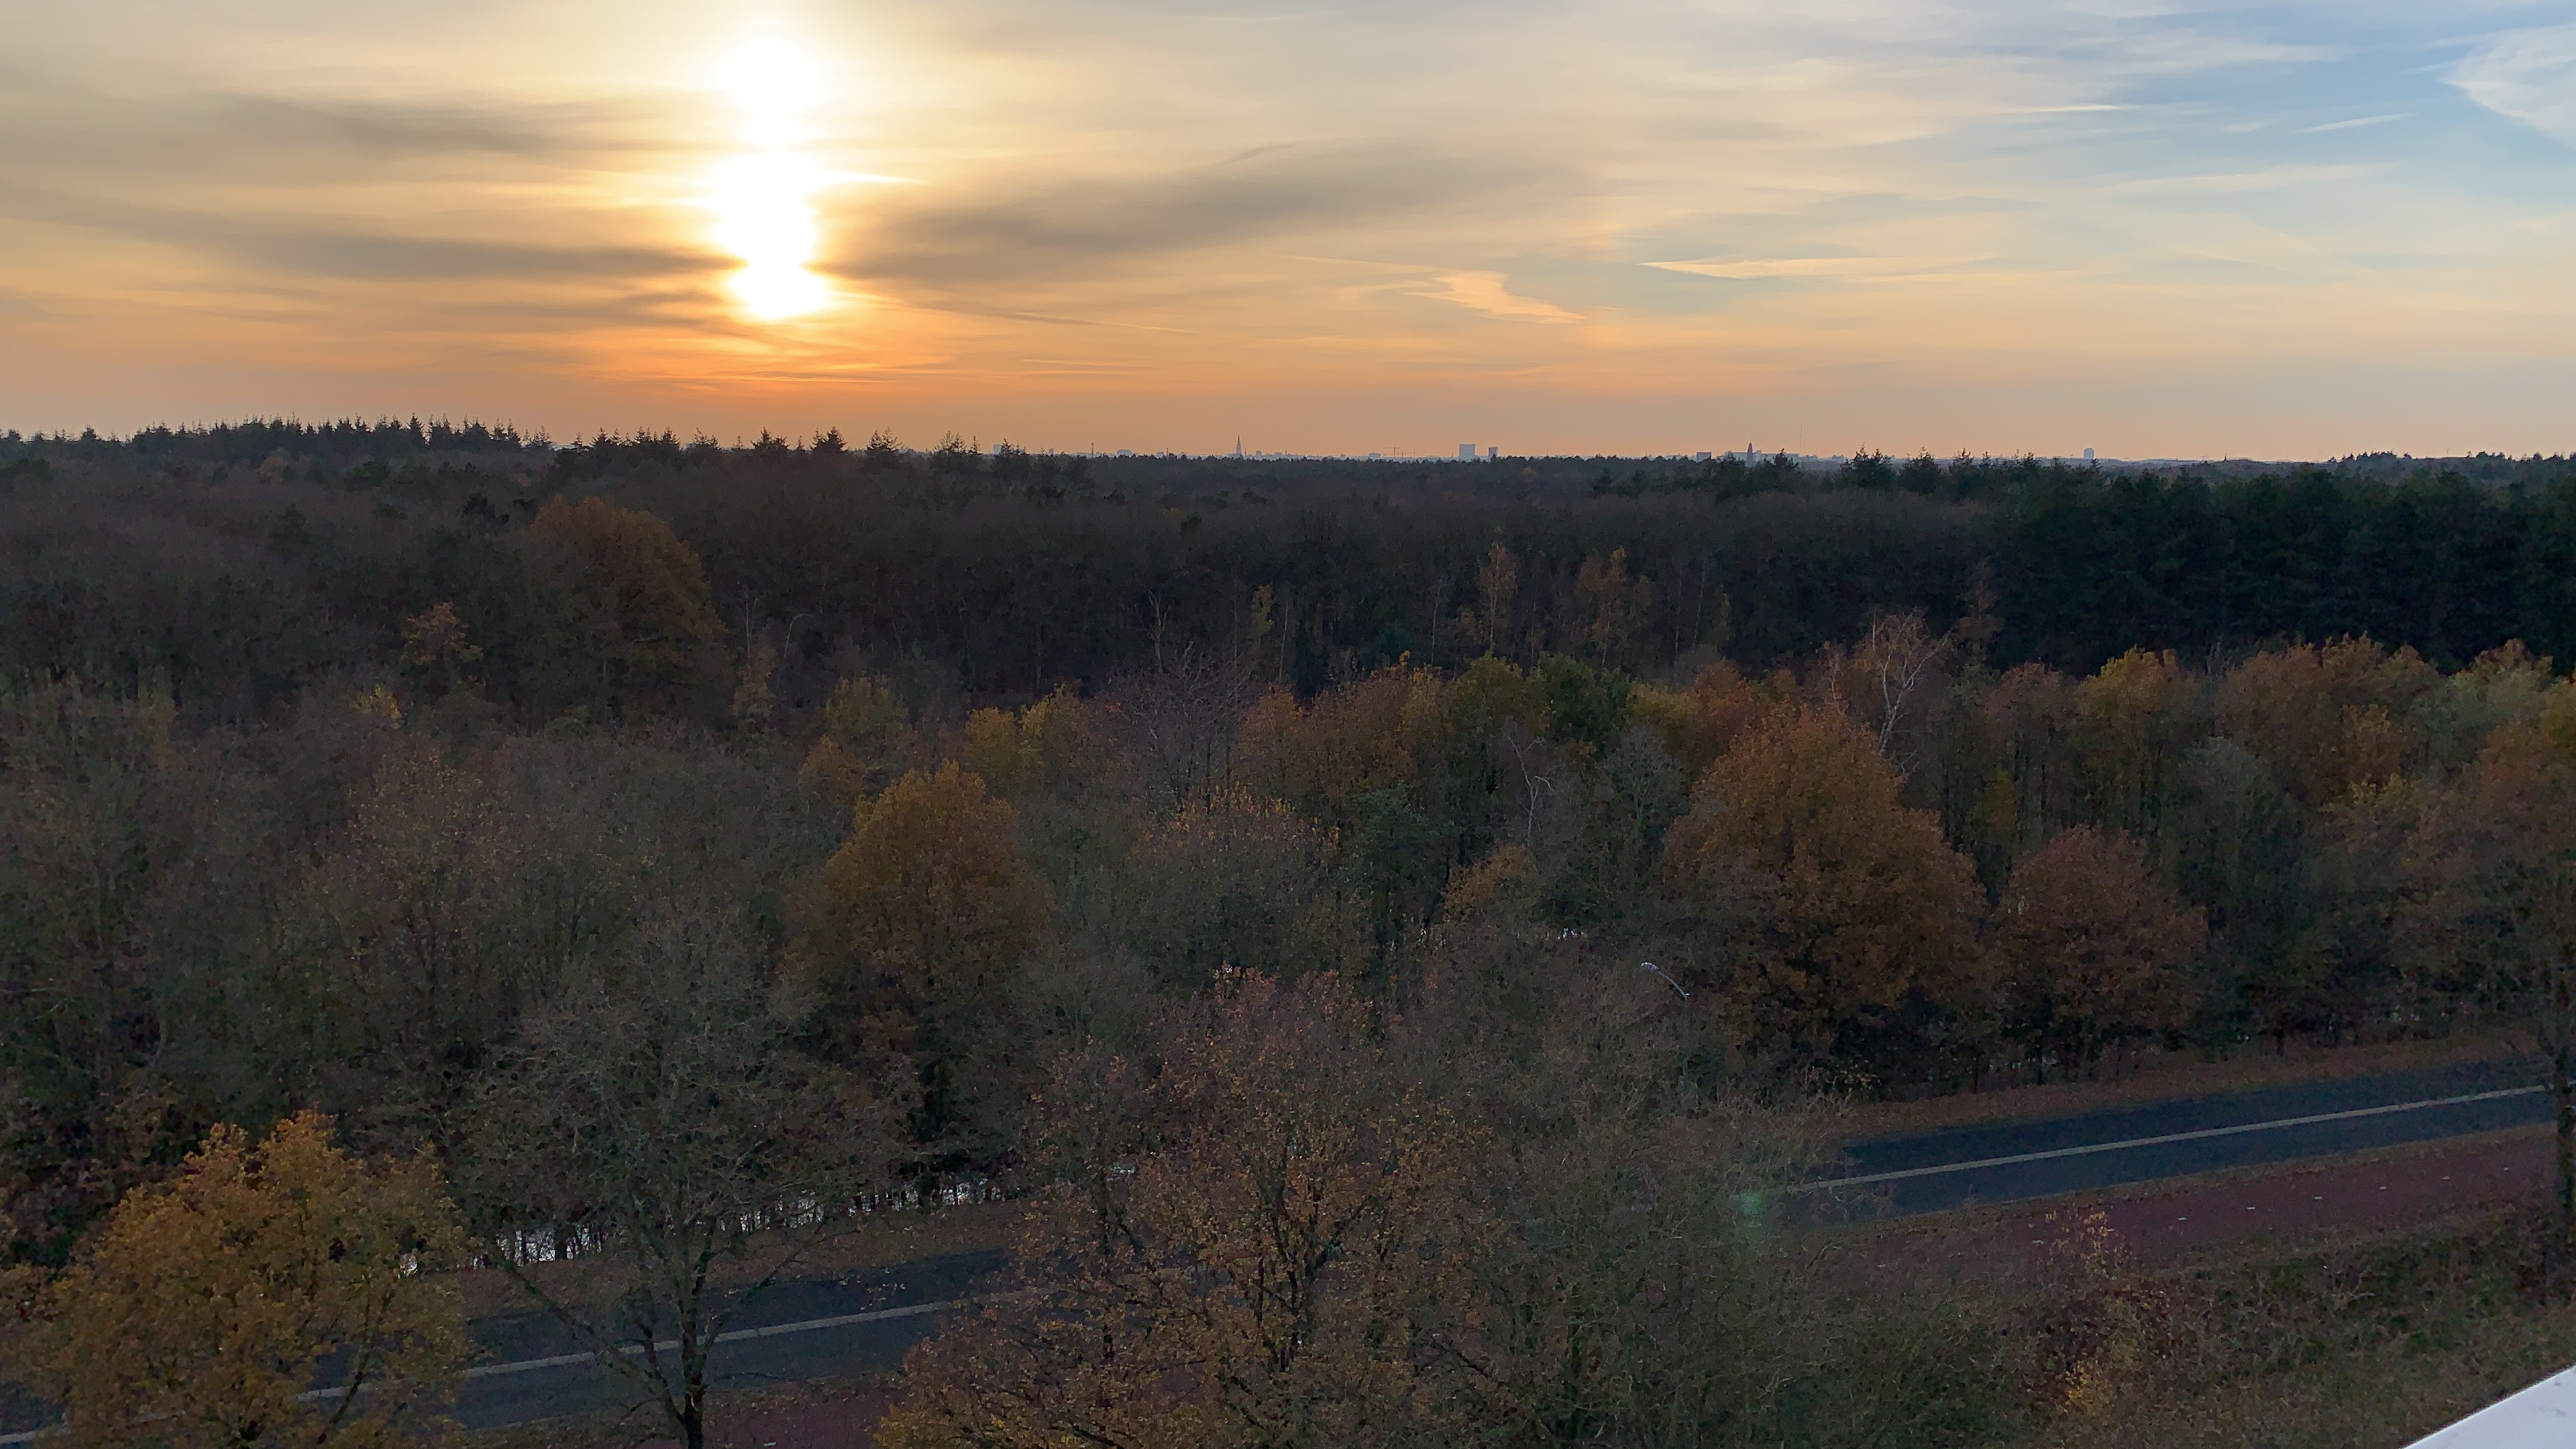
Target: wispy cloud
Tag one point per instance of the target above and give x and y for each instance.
(1068, 229)
(1489, 293)
(2357, 123)
(2529, 75)
(1768, 268)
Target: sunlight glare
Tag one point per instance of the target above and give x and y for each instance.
(772, 83)
(761, 198)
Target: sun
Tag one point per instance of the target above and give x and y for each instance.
(773, 84)
(762, 197)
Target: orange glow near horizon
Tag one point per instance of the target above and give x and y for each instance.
(2275, 230)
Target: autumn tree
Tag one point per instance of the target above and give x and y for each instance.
(755, 704)
(2505, 685)
(409, 936)
(1050, 745)
(277, 1292)
(2092, 946)
(1262, 1242)
(2137, 718)
(1648, 1296)
(436, 653)
(864, 742)
(633, 600)
(1615, 605)
(652, 1151)
(1233, 881)
(2492, 908)
(2326, 718)
(1354, 760)
(913, 929)
(1697, 722)
(1834, 904)
(1889, 681)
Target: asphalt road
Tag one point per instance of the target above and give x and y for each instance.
(793, 1333)
(2017, 1160)
(805, 1331)
(529, 1369)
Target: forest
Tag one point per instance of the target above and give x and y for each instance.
(1252, 859)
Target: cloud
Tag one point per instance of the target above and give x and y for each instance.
(1485, 292)
(1735, 269)
(196, 137)
(2529, 75)
(2356, 124)
(1060, 231)
(308, 247)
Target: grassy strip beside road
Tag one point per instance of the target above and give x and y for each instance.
(2147, 1077)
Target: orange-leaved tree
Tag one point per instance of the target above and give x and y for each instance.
(867, 732)
(1269, 1241)
(2093, 947)
(633, 602)
(1837, 902)
(273, 1293)
(2327, 719)
(2138, 716)
(914, 927)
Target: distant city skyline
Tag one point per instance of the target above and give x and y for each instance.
(2281, 230)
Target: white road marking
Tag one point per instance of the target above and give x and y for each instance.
(567, 1360)
(737, 1335)
(1864, 1179)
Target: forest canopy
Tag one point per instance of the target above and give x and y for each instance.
(433, 778)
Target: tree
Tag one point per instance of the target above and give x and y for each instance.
(866, 735)
(436, 653)
(278, 1293)
(1050, 746)
(2241, 850)
(2093, 947)
(653, 1151)
(1235, 882)
(634, 600)
(2139, 715)
(1844, 904)
(2492, 908)
(412, 927)
(1697, 723)
(1498, 582)
(1646, 1297)
(1887, 681)
(1615, 605)
(914, 927)
(1262, 1244)
(754, 704)
(2327, 719)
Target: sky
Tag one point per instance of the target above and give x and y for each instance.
(2253, 230)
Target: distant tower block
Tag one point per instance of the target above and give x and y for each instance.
(1493, 453)
(2088, 455)
(1466, 452)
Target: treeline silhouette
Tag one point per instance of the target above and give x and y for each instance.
(235, 564)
